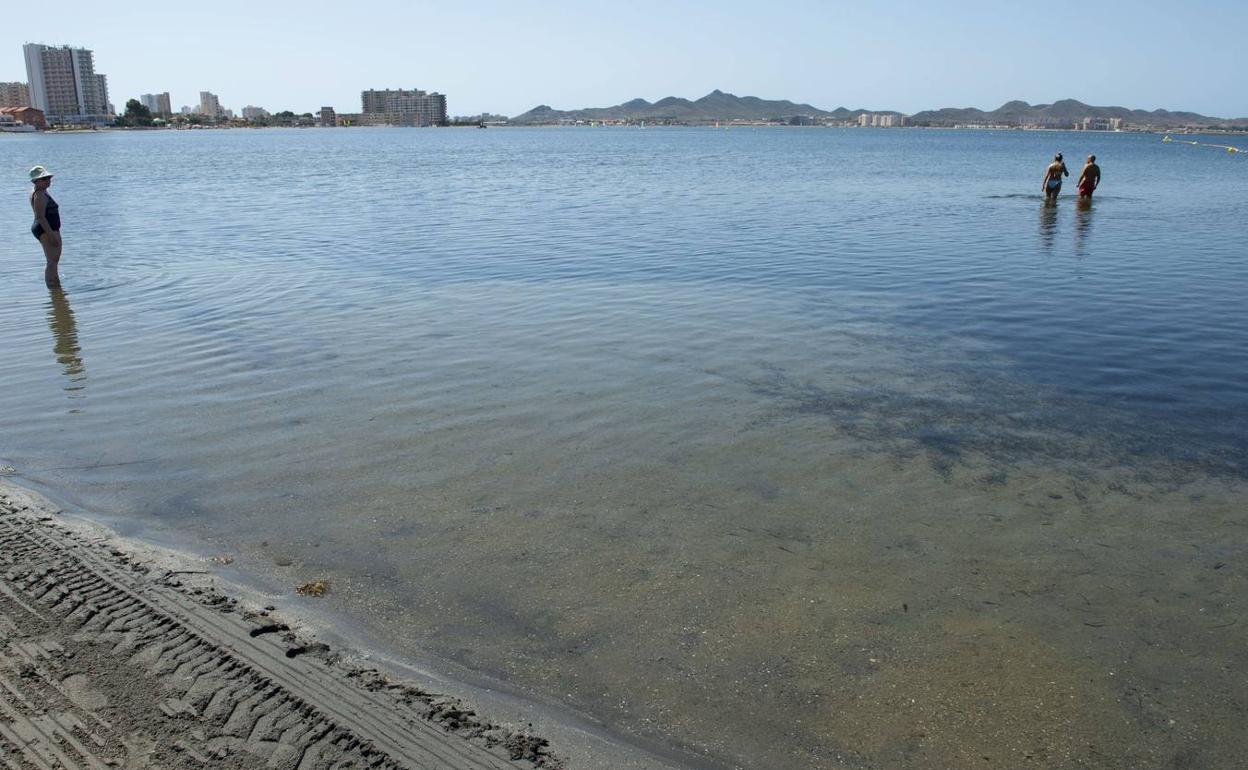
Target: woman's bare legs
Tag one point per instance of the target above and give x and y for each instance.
(51, 243)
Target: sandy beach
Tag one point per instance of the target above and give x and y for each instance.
(116, 653)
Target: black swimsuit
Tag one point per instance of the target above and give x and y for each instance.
(52, 213)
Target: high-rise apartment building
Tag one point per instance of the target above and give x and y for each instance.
(101, 90)
(64, 84)
(882, 120)
(14, 95)
(328, 118)
(158, 103)
(404, 108)
(209, 104)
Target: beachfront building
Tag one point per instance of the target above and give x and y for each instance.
(159, 104)
(328, 118)
(14, 95)
(63, 84)
(209, 104)
(251, 112)
(101, 87)
(399, 107)
(28, 116)
(1099, 124)
(882, 120)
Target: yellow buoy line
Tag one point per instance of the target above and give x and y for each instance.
(1226, 147)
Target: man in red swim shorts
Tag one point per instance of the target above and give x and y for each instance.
(1090, 178)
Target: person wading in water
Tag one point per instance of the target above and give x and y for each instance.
(47, 226)
(1090, 179)
(1052, 184)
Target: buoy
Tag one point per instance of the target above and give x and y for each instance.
(1202, 144)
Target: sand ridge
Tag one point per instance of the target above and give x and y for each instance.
(109, 661)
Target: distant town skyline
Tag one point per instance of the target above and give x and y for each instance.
(509, 57)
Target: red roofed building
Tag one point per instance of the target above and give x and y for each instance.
(28, 115)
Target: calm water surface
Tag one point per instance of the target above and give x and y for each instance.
(786, 448)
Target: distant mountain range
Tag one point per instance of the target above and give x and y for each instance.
(720, 106)
(716, 105)
(1018, 113)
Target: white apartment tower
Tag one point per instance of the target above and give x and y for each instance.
(158, 103)
(209, 104)
(64, 84)
(101, 86)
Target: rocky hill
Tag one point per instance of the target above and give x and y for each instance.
(1021, 113)
(716, 105)
(721, 106)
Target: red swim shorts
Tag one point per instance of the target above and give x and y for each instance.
(1086, 189)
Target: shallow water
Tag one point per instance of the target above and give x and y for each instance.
(790, 448)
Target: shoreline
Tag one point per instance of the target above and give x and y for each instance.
(254, 623)
(1180, 131)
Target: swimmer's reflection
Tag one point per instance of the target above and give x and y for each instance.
(65, 339)
(1048, 223)
(1083, 224)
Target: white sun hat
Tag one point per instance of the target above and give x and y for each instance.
(39, 172)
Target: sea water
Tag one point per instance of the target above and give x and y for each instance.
(779, 447)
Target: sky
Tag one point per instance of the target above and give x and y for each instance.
(507, 57)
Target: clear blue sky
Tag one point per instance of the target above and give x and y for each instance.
(508, 56)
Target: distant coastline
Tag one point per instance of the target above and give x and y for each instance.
(725, 110)
(719, 107)
(1213, 130)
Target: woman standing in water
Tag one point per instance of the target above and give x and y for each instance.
(1052, 184)
(47, 226)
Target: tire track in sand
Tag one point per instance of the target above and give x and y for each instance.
(105, 665)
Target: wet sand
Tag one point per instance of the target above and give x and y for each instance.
(117, 653)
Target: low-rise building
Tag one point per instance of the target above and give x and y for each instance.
(29, 116)
(251, 112)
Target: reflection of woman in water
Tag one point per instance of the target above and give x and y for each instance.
(47, 226)
(65, 342)
(1052, 184)
(65, 334)
(1048, 223)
